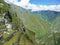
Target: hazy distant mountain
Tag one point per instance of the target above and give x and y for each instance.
(47, 14)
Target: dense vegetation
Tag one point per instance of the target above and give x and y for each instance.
(45, 33)
(17, 33)
(27, 28)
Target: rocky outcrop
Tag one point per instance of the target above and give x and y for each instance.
(10, 21)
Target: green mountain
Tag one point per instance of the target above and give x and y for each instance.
(32, 22)
(47, 14)
(12, 29)
(18, 26)
(44, 34)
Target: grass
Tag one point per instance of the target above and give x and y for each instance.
(2, 26)
(15, 37)
(25, 41)
(13, 40)
(32, 22)
(6, 35)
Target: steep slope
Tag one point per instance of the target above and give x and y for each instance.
(12, 28)
(46, 33)
(28, 28)
(32, 22)
(55, 32)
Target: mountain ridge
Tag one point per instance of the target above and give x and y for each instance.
(28, 28)
(47, 14)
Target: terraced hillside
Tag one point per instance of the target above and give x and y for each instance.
(32, 22)
(44, 33)
(12, 30)
(19, 27)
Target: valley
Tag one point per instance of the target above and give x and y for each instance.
(19, 26)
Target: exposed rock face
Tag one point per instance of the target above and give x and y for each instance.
(12, 29)
(9, 26)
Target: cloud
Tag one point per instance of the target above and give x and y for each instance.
(10, 1)
(22, 3)
(43, 7)
(27, 5)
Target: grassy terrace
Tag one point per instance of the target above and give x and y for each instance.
(32, 22)
(37, 28)
(13, 39)
(25, 41)
(6, 35)
(2, 26)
